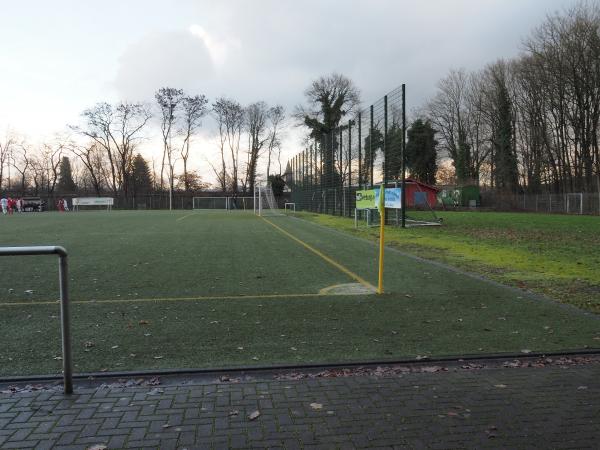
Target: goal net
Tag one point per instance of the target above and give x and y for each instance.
(209, 203)
(574, 203)
(265, 203)
(240, 203)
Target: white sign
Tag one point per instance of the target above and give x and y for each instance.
(93, 201)
(393, 198)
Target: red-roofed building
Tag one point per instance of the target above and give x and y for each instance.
(420, 194)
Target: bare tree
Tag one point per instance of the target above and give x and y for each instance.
(6, 148)
(449, 113)
(193, 110)
(229, 115)
(131, 118)
(99, 128)
(256, 116)
(44, 167)
(92, 158)
(116, 129)
(21, 161)
(276, 119)
(168, 100)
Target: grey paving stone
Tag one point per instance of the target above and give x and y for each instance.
(455, 409)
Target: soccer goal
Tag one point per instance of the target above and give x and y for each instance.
(265, 203)
(240, 203)
(209, 203)
(574, 203)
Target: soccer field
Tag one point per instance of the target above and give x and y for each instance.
(160, 289)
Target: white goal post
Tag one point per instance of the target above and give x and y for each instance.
(226, 203)
(265, 203)
(209, 203)
(574, 203)
(93, 201)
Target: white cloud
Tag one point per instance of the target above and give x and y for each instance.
(219, 49)
(175, 59)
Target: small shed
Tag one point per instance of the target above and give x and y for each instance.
(420, 195)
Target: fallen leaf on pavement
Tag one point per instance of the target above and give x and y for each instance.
(254, 415)
(316, 406)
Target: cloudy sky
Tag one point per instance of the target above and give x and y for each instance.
(59, 57)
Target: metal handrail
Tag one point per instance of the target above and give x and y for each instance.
(64, 301)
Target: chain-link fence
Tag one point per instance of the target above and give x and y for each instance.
(568, 203)
(363, 152)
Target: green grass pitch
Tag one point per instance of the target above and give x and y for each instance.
(159, 289)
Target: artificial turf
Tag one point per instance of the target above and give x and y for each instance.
(141, 262)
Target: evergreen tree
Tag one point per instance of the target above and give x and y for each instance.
(505, 160)
(65, 185)
(277, 184)
(421, 151)
(141, 179)
(393, 153)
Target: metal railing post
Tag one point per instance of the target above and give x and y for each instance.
(65, 318)
(64, 302)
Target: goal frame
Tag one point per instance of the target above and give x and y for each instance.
(209, 198)
(259, 206)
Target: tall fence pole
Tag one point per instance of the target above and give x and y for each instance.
(348, 192)
(372, 159)
(403, 157)
(386, 163)
(360, 153)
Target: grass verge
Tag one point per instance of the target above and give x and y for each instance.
(555, 255)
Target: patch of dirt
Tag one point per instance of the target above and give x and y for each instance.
(348, 289)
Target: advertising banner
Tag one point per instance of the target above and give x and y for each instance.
(93, 201)
(365, 199)
(369, 199)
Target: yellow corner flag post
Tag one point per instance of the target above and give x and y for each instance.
(381, 237)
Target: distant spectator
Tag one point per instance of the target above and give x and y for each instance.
(65, 204)
(60, 205)
(4, 204)
(11, 205)
(20, 205)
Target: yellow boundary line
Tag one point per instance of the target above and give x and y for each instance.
(184, 217)
(326, 258)
(322, 293)
(180, 299)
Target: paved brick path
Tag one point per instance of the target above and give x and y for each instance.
(545, 407)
